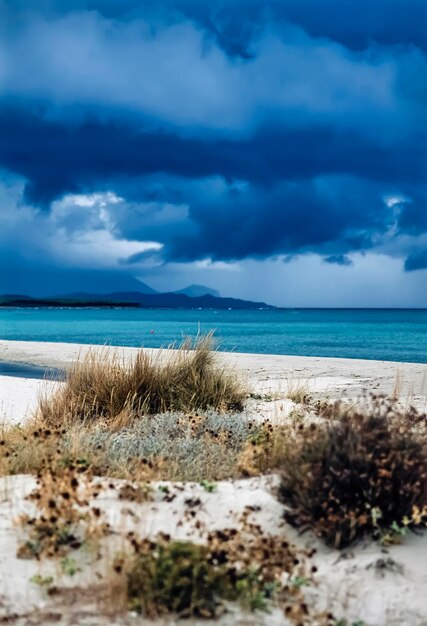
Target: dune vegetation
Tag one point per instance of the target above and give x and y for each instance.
(104, 387)
(181, 417)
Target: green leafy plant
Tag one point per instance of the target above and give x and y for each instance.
(177, 578)
(208, 486)
(192, 580)
(300, 581)
(69, 566)
(42, 581)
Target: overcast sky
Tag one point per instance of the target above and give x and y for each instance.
(272, 149)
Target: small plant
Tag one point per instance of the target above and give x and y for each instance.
(331, 409)
(69, 566)
(208, 486)
(176, 578)
(136, 493)
(300, 581)
(298, 392)
(192, 580)
(252, 594)
(360, 475)
(64, 518)
(263, 451)
(392, 535)
(42, 581)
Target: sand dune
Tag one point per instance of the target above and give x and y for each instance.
(368, 584)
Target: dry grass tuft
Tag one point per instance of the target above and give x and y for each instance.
(363, 474)
(298, 391)
(102, 386)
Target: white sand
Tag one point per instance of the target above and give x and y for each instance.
(19, 397)
(379, 587)
(268, 376)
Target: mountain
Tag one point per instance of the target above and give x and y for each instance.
(47, 286)
(194, 291)
(136, 298)
(27, 302)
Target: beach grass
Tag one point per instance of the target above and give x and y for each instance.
(102, 386)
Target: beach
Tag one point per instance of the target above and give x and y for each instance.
(266, 375)
(213, 313)
(369, 584)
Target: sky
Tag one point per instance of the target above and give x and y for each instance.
(275, 150)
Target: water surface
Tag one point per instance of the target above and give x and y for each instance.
(391, 334)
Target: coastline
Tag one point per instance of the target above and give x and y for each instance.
(266, 375)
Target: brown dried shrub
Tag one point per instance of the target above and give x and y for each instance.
(356, 476)
(63, 519)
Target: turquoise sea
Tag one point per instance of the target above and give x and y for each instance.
(394, 335)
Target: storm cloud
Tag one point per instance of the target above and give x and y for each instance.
(223, 132)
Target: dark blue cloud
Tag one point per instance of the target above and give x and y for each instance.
(320, 216)
(413, 216)
(354, 25)
(57, 157)
(416, 261)
(338, 259)
(236, 24)
(311, 117)
(358, 25)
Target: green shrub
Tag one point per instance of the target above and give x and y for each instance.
(175, 578)
(183, 578)
(191, 580)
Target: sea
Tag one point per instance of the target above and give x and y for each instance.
(382, 334)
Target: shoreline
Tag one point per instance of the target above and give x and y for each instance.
(21, 349)
(268, 377)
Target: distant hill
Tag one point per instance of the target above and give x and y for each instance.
(27, 302)
(136, 298)
(195, 291)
